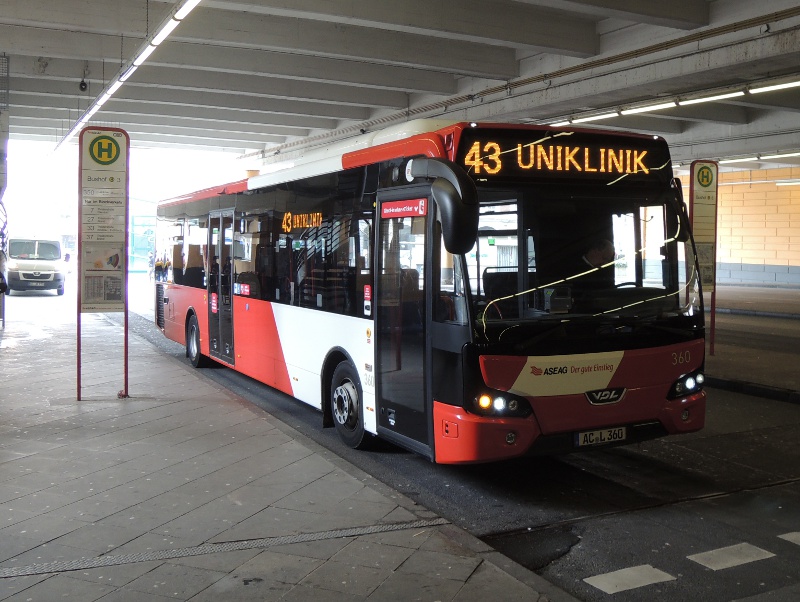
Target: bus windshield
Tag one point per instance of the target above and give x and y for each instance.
(546, 255)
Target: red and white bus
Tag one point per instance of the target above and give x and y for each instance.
(471, 292)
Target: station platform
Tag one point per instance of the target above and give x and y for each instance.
(761, 358)
(184, 491)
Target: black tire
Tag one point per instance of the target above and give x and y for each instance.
(347, 406)
(193, 343)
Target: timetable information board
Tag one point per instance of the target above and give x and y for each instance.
(103, 218)
(703, 212)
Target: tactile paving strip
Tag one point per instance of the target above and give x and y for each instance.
(211, 548)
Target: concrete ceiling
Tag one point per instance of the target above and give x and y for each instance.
(255, 76)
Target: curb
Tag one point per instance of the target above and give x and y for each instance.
(748, 388)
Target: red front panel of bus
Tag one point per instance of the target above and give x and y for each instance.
(556, 388)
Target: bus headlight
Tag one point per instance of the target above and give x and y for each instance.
(500, 404)
(687, 384)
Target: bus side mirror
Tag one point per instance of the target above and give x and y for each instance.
(679, 205)
(454, 193)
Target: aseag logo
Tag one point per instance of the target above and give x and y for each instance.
(536, 371)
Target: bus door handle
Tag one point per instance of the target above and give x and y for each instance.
(166, 299)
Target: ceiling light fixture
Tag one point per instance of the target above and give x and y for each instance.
(664, 105)
(741, 160)
(596, 117)
(145, 50)
(774, 87)
(694, 101)
(781, 156)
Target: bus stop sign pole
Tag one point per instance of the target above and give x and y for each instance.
(103, 230)
(703, 194)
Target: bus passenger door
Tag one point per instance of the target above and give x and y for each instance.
(402, 399)
(219, 282)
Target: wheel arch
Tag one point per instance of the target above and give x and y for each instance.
(189, 313)
(335, 356)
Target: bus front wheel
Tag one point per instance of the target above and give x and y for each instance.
(346, 406)
(193, 343)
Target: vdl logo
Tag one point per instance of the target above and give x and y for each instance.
(104, 150)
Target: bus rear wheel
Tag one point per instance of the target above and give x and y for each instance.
(193, 343)
(346, 406)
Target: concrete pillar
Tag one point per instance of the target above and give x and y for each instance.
(3, 176)
(3, 150)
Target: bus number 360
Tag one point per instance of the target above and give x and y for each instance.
(684, 357)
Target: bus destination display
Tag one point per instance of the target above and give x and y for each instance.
(486, 154)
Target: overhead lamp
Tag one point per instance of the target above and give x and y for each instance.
(114, 87)
(149, 46)
(694, 101)
(788, 183)
(186, 9)
(741, 160)
(143, 55)
(128, 72)
(596, 117)
(774, 87)
(167, 29)
(781, 156)
(664, 105)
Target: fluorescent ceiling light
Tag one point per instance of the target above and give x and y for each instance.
(658, 107)
(168, 28)
(774, 87)
(186, 9)
(144, 54)
(561, 124)
(114, 87)
(694, 101)
(90, 113)
(128, 72)
(739, 160)
(596, 117)
(780, 156)
(788, 183)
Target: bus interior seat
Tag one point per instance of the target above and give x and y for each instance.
(499, 283)
(250, 279)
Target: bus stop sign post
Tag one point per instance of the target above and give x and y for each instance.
(703, 215)
(103, 230)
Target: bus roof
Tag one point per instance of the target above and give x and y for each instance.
(413, 138)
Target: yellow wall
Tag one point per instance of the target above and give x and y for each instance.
(758, 228)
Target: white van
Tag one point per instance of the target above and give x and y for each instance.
(34, 265)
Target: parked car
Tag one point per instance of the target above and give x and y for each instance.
(35, 265)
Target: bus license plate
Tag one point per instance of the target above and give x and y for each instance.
(612, 435)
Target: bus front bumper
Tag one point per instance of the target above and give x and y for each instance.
(465, 438)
